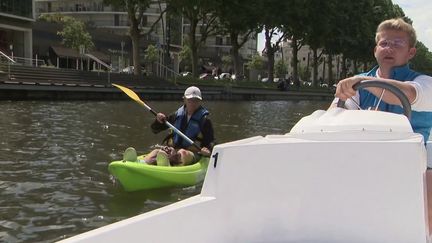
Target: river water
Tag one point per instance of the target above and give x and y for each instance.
(54, 181)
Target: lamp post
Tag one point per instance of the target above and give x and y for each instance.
(9, 62)
(81, 52)
(11, 49)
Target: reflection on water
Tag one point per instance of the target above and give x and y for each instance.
(54, 181)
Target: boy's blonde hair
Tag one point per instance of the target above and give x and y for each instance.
(397, 24)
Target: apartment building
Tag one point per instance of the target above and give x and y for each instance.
(16, 18)
(115, 21)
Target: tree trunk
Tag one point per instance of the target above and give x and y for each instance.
(270, 69)
(135, 37)
(194, 48)
(315, 68)
(136, 54)
(235, 55)
(195, 69)
(344, 68)
(295, 62)
(355, 66)
(270, 54)
(330, 70)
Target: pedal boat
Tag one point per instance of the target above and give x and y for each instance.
(337, 176)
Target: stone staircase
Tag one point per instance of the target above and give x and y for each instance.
(21, 74)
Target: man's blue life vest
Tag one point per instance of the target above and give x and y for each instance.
(421, 121)
(193, 127)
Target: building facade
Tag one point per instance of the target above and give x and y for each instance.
(16, 18)
(171, 31)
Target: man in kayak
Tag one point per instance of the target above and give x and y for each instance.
(192, 119)
(395, 46)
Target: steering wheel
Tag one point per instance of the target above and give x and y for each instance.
(385, 86)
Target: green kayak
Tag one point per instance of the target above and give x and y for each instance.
(141, 176)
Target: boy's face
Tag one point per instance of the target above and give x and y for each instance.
(393, 49)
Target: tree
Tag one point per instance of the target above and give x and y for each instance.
(202, 20)
(135, 10)
(185, 57)
(75, 35)
(256, 62)
(304, 73)
(280, 69)
(354, 39)
(227, 62)
(294, 27)
(151, 56)
(239, 20)
(318, 30)
(274, 16)
(422, 61)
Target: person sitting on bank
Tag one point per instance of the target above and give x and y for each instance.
(191, 119)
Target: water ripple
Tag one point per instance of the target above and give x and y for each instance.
(54, 181)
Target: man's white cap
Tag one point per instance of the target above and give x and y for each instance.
(192, 92)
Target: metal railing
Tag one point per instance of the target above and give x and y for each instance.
(32, 62)
(166, 72)
(100, 62)
(10, 60)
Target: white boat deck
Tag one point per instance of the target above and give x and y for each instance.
(336, 177)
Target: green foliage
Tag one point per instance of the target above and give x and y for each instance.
(338, 27)
(56, 18)
(422, 62)
(135, 10)
(74, 34)
(239, 20)
(352, 28)
(304, 73)
(185, 55)
(281, 69)
(256, 62)
(151, 54)
(227, 62)
(202, 20)
(239, 16)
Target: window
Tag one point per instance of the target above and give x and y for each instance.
(23, 8)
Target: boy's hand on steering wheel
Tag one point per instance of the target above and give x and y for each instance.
(344, 89)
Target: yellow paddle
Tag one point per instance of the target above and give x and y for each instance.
(135, 97)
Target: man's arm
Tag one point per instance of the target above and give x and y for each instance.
(344, 89)
(157, 126)
(208, 134)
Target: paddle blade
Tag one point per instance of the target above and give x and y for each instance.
(129, 92)
(134, 96)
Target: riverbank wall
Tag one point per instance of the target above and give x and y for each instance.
(21, 82)
(13, 90)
